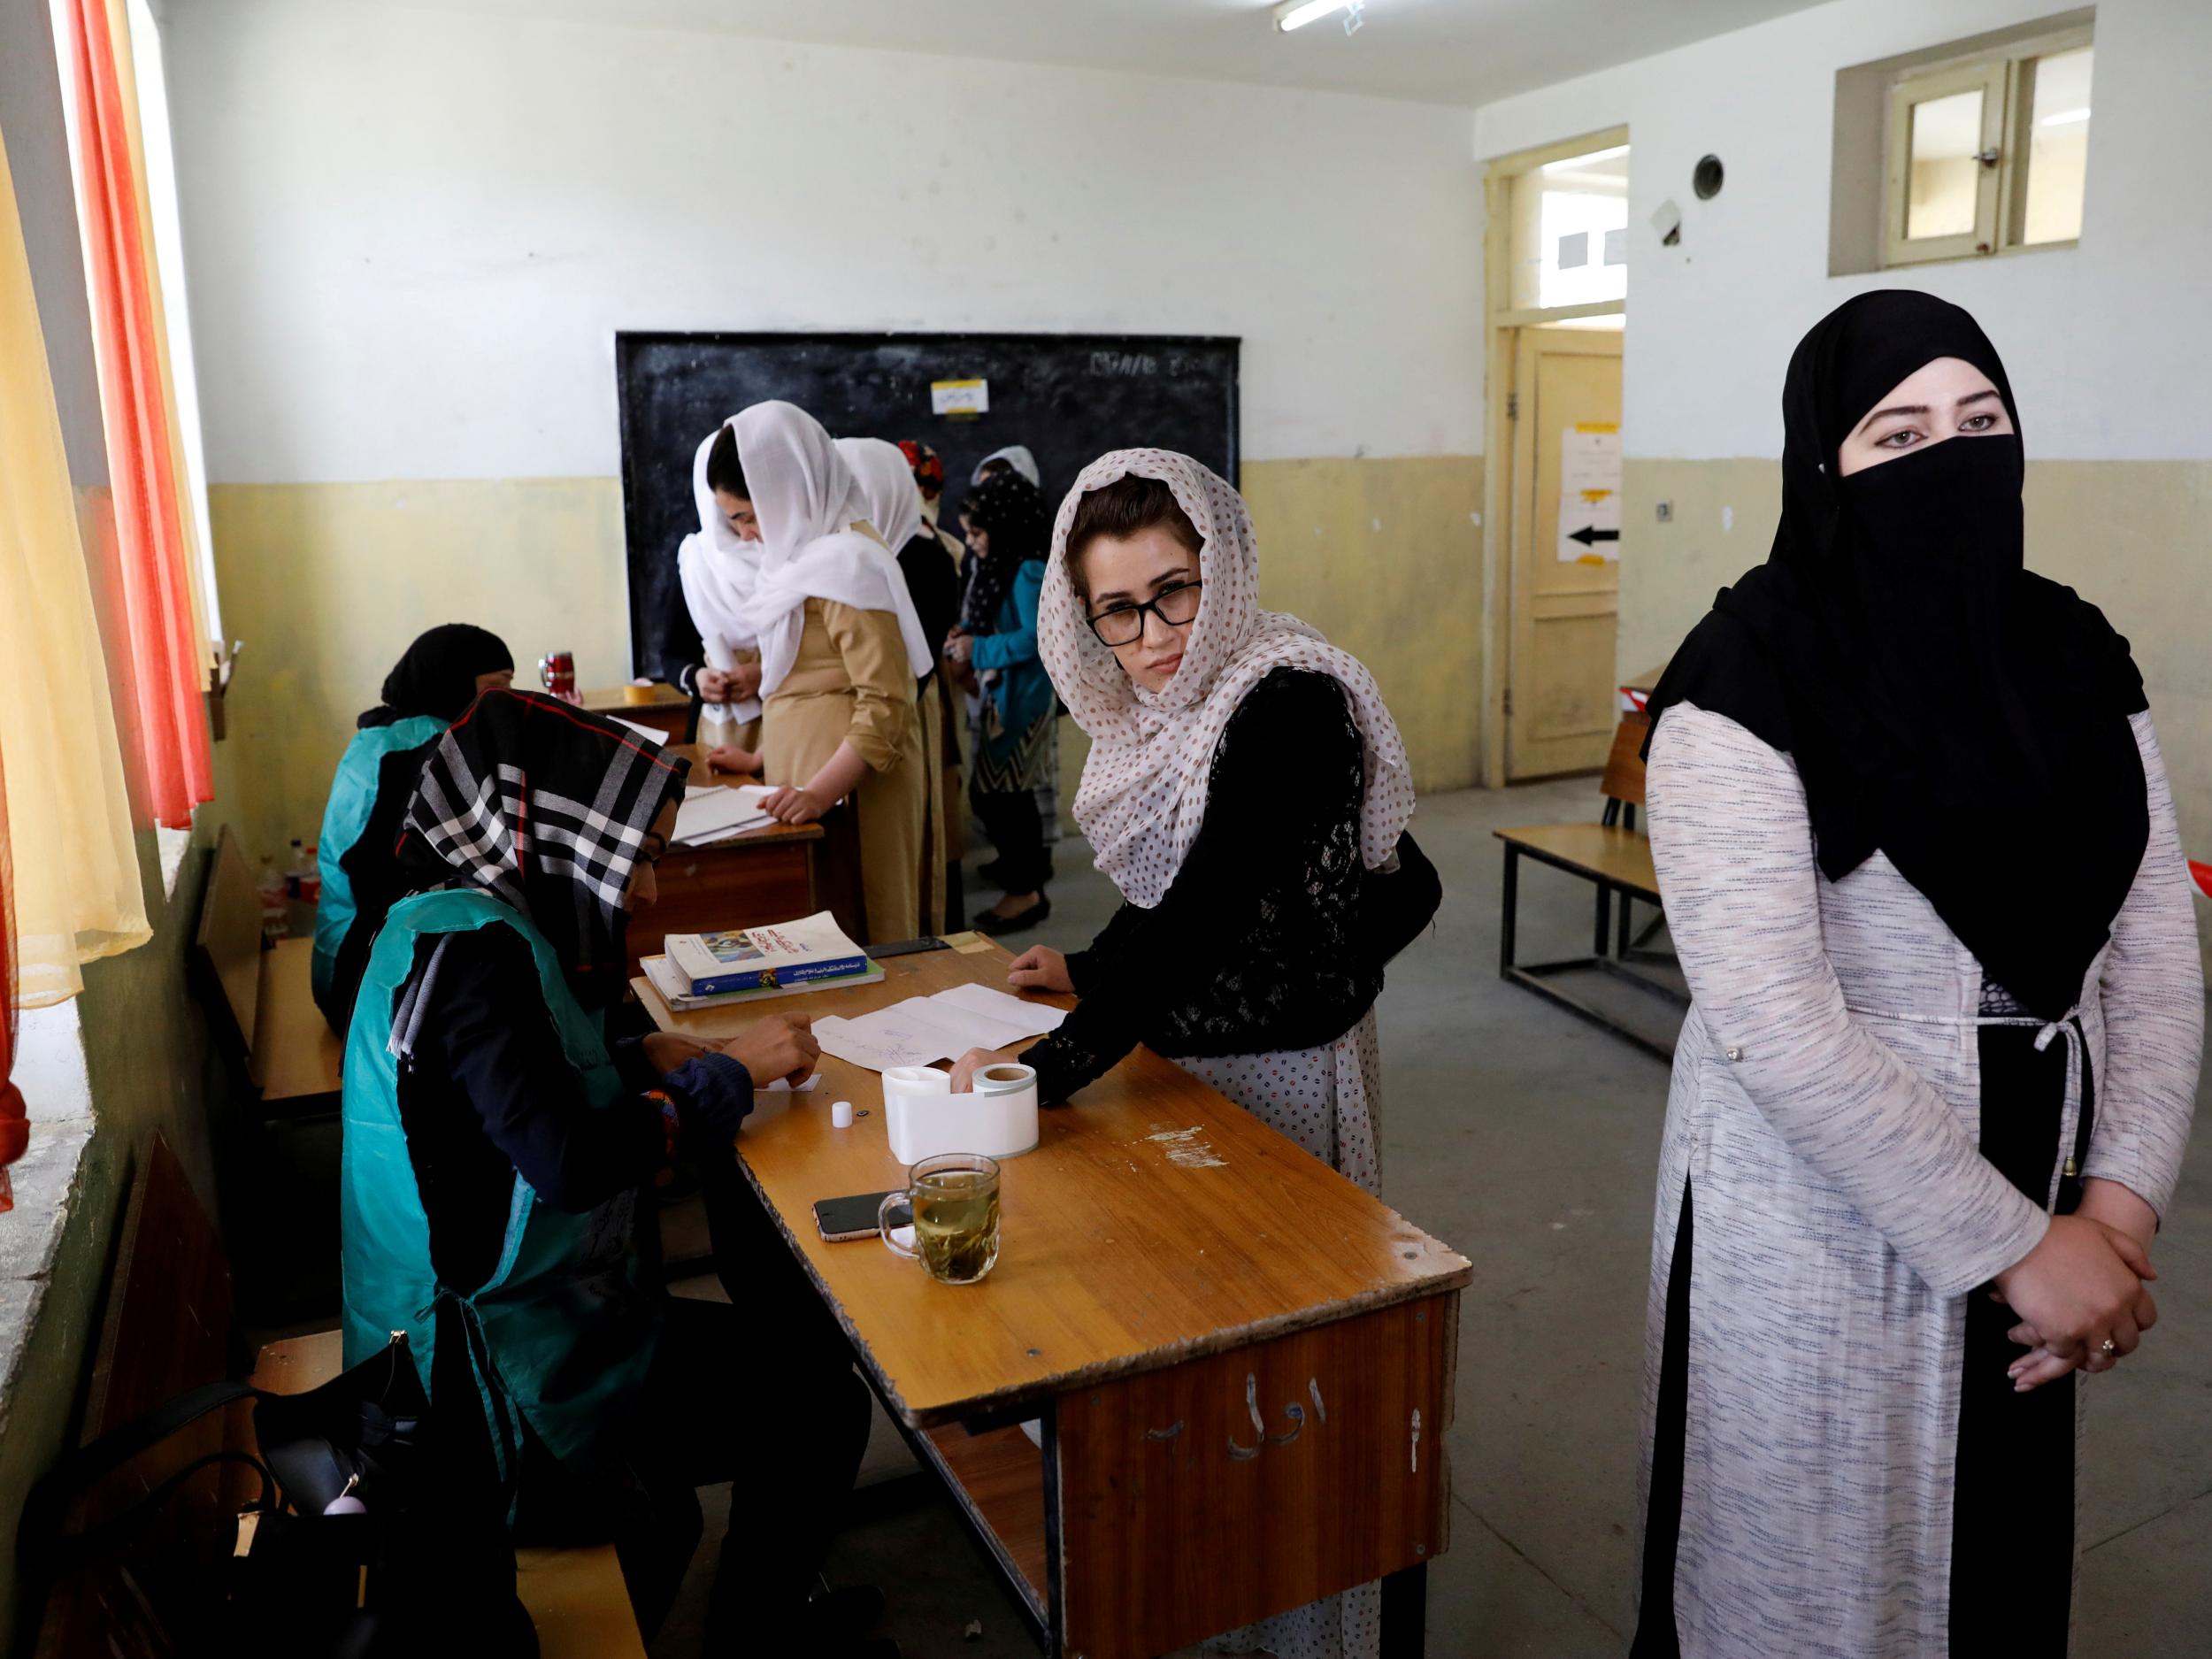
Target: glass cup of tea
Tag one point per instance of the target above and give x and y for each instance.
(954, 1198)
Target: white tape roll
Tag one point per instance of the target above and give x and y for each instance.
(923, 1116)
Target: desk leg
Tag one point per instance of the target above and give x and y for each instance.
(1511, 917)
(1605, 919)
(1405, 1613)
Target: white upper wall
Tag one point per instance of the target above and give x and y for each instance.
(2106, 342)
(413, 234)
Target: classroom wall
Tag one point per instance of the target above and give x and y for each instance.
(2103, 342)
(412, 235)
(95, 1101)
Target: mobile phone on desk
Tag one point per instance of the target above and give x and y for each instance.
(841, 1219)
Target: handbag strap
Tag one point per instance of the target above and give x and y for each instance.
(65, 1552)
(41, 1534)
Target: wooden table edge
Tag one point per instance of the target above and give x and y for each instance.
(1222, 1339)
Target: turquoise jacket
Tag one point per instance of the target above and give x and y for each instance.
(562, 1333)
(352, 798)
(1022, 693)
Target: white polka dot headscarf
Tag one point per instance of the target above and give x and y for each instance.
(1143, 793)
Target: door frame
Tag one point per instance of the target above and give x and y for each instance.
(1501, 326)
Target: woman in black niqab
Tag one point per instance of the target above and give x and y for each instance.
(1920, 861)
(1941, 703)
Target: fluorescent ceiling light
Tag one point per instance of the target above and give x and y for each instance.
(2065, 117)
(1296, 14)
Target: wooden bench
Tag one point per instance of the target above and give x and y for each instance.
(1615, 858)
(575, 1595)
(167, 1326)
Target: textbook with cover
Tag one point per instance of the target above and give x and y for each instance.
(668, 979)
(783, 955)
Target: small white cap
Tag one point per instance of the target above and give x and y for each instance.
(842, 1115)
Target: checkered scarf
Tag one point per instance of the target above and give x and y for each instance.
(547, 808)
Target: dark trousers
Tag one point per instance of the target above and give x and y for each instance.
(759, 1392)
(1015, 829)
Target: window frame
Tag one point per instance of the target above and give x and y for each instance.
(2007, 79)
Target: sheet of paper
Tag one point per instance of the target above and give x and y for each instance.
(717, 814)
(887, 1037)
(923, 1029)
(654, 733)
(1590, 493)
(782, 1085)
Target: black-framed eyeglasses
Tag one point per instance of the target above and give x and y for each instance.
(1123, 624)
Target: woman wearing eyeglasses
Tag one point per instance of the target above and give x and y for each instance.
(1248, 792)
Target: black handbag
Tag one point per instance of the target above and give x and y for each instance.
(426, 1563)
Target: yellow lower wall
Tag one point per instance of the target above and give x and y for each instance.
(2128, 534)
(326, 583)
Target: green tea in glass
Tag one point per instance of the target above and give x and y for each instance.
(954, 1198)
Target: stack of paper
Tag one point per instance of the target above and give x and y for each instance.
(940, 1027)
(711, 815)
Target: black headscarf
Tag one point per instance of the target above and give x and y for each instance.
(547, 808)
(1009, 508)
(437, 674)
(1941, 703)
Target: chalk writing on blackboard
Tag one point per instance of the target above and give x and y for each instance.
(1123, 363)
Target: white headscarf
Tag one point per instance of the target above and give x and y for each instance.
(719, 573)
(1016, 455)
(888, 489)
(806, 500)
(1143, 793)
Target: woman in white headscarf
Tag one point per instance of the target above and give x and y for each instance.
(894, 504)
(718, 566)
(1248, 792)
(839, 650)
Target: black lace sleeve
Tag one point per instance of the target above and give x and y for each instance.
(1282, 817)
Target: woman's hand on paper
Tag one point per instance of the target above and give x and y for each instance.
(793, 806)
(2082, 1285)
(777, 1046)
(1039, 968)
(665, 1051)
(967, 1065)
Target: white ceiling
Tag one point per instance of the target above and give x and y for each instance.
(1442, 51)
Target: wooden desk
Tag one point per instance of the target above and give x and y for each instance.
(1243, 1363)
(765, 875)
(667, 710)
(296, 1056)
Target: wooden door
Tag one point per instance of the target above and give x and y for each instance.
(1565, 576)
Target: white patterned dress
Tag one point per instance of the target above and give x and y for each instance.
(1329, 1099)
(1826, 1113)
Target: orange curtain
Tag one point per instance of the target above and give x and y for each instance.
(166, 680)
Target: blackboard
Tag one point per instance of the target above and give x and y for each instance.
(1069, 397)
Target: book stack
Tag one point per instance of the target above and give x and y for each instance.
(754, 964)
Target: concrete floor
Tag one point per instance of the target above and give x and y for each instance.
(1528, 1140)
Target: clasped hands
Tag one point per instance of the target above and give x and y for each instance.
(2087, 1284)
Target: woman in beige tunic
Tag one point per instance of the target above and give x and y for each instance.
(839, 650)
(894, 504)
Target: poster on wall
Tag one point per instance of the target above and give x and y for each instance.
(1590, 493)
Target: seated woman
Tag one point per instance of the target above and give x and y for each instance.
(1248, 792)
(994, 652)
(493, 1146)
(437, 677)
(841, 650)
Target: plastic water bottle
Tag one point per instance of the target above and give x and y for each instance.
(276, 920)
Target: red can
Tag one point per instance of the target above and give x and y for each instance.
(557, 671)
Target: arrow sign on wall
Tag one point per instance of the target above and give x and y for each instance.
(1590, 535)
